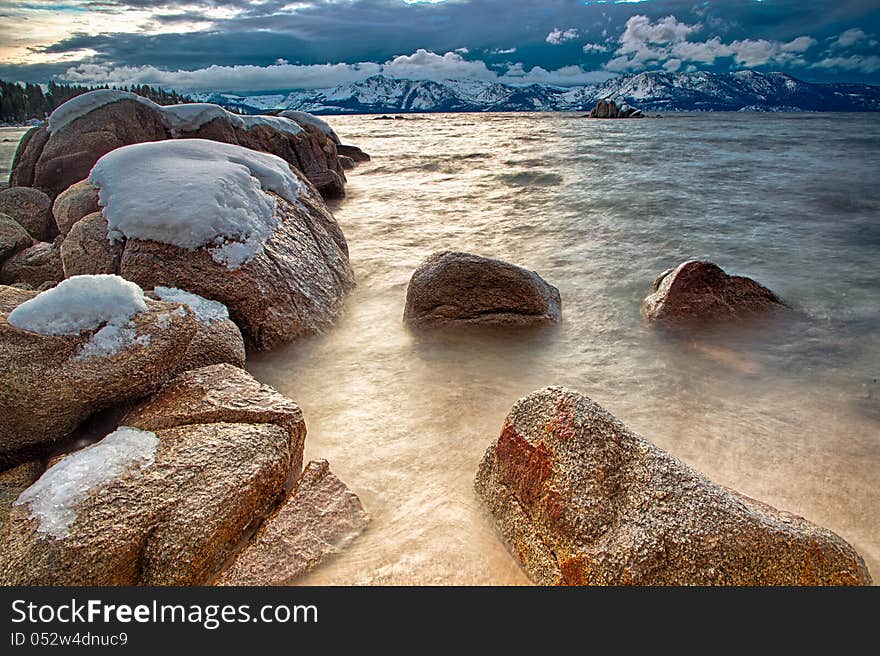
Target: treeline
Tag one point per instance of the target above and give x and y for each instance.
(24, 102)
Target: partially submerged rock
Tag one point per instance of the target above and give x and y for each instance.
(607, 108)
(71, 357)
(451, 288)
(353, 152)
(32, 209)
(153, 508)
(581, 500)
(319, 518)
(697, 292)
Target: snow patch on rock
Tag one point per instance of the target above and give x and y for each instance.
(206, 311)
(194, 193)
(304, 118)
(79, 304)
(88, 102)
(54, 498)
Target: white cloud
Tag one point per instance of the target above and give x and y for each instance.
(850, 37)
(420, 65)
(558, 36)
(503, 51)
(650, 44)
(594, 47)
(462, 51)
(863, 63)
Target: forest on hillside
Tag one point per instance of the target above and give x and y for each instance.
(22, 102)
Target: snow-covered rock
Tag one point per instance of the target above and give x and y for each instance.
(166, 505)
(92, 342)
(304, 118)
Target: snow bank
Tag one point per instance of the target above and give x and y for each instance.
(205, 310)
(304, 118)
(80, 304)
(193, 193)
(87, 102)
(53, 499)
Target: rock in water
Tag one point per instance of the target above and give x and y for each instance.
(170, 508)
(701, 293)
(451, 288)
(581, 500)
(319, 518)
(32, 209)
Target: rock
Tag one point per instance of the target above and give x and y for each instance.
(70, 152)
(319, 518)
(582, 500)
(452, 288)
(75, 202)
(32, 209)
(221, 394)
(217, 342)
(13, 237)
(34, 265)
(347, 162)
(87, 249)
(26, 155)
(701, 292)
(353, 152)
(606, 108)
(47, 388)
(171, 517)
(15, 481)
(13, 296)
(293, 288)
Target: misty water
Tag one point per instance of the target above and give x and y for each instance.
(788, 413)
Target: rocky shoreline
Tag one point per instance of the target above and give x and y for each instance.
(143, 248)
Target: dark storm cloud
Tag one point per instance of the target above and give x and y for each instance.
(352, 31)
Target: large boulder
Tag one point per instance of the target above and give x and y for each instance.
(13, 237)
(451, 288)
(92, 342)
(221, 393)
(698, 292)
(32, 209)
(34, 266)
(581, 500)
(87, 249)
(281, 267)
(87, 127)
(318, 519)
(146, 508)
(74, 203)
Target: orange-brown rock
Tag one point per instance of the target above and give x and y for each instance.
(32, 209)
(319, 518)
(13, 237)
(34, 265)
(582, 500)
(78, 200)
(15, 481)
(87, 250)
(696, 293)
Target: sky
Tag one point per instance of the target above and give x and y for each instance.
(271, 45)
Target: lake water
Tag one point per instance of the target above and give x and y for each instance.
(9, 138)
(789, 414)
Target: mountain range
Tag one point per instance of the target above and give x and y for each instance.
(740, 91)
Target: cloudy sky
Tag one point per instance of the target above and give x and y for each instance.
(263, 45)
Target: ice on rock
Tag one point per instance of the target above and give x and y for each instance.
(194, 193)
(54, 498)
(304, 118)
(278, 122)
(191, 116)
(79, 304)
(87, 102)
(206, 311)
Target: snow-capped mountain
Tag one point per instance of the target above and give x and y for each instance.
(740, 91)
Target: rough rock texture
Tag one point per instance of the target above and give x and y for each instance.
(218, 342)
(32, 209)
(581, 500)
(701, 292)
(46, 391)
(319, 518)
(87, 250)
(13, 237)
(26, 155)
(221, 393)
(35, 265)
(293, 288)
(609, 109)
(353, 152)
(54, 162)
(15, 481)
(452, 288)
(11, 297)
(75, 202)
(172, 522)
(347, 163)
